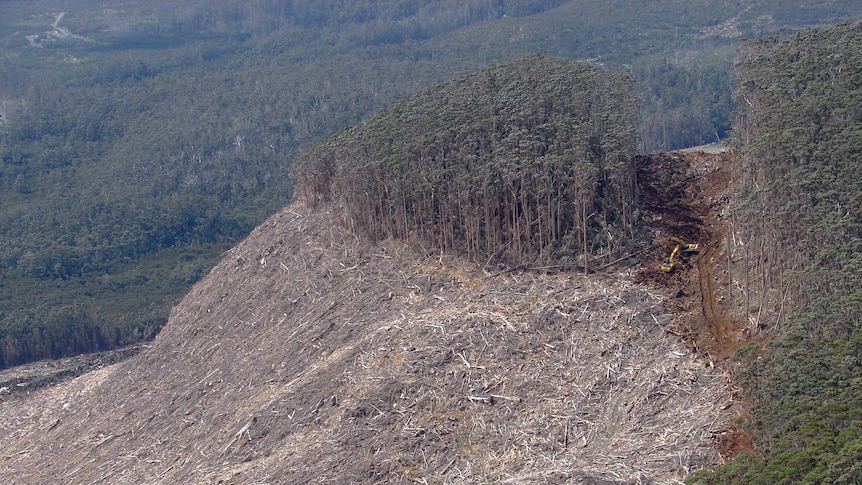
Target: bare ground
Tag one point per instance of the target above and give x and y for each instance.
(685, 194)
(309, 356)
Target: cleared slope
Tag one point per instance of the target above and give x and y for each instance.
(307, 356)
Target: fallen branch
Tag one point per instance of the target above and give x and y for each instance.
(636, 253)
(238, 435)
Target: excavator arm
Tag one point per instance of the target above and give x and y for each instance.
(684, 246)
(670, 263)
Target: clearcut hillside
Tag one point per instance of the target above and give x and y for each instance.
(320, 350)
(308, 356)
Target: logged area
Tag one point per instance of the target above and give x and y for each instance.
(685, 195)
(308, 355)
(385, 328)
(396, 364)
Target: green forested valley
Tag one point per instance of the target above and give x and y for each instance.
(140, 140)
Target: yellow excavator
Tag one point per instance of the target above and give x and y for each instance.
(679, 246)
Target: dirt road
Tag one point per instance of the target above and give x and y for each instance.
(681, 194)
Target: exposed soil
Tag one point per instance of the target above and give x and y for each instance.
(683, 194)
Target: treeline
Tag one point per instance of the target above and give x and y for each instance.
(797, 225)
(798, 124)
(531, 161)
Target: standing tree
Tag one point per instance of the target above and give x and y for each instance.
(528, 162)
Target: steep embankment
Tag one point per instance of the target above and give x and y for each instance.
(308, 356)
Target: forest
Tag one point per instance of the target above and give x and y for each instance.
(798, 208)
(141, 141)
(531, 162)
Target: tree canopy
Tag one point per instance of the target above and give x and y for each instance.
(139, 143)
(528, 161)
(799, 137)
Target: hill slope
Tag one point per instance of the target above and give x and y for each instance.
(795, 220)
(313, 353)
(309, 356)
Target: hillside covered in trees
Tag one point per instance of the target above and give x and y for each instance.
(140, 141)
(526, 163)
(796, 224)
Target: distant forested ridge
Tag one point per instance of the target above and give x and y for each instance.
(531, 161)
(797, 220)
(139, 141)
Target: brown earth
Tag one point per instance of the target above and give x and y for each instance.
(684, 194)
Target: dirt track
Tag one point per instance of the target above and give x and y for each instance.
(682, 194)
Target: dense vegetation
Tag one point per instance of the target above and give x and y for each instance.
(800, 209)
(526, 162)
(139, 141)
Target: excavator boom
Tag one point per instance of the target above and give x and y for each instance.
(670, 263)
(684, 246)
